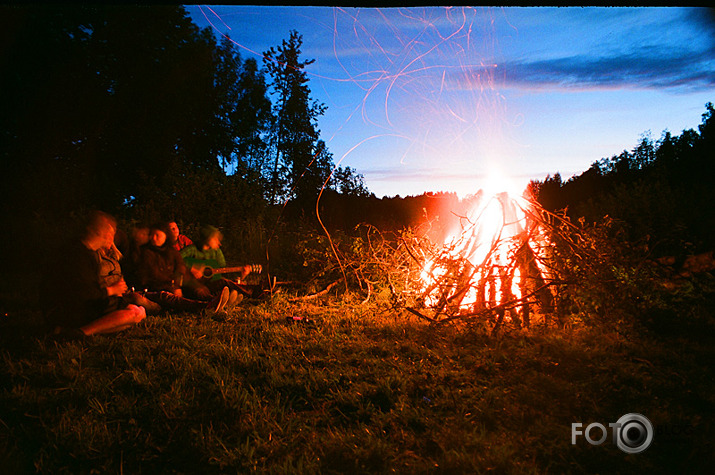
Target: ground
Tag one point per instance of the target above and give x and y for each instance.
(357, 388)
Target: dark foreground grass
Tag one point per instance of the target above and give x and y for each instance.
(361, 390)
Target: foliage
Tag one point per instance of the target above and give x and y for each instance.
(347, 181)
(632, 209)
(148, 118)
(605, 280)
(590, 273)
(195, 198)
(143, 111)
(243, 111)
(128, 87)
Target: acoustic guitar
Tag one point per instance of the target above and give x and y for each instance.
(209, 268)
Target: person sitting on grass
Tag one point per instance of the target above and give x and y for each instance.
(160, 266)
(139, 236)
(207, 251)
(75, 302)
(160, 272)
(110, 273)
(180, 241)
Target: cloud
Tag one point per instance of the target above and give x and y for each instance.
(704, 18)
(645, 69)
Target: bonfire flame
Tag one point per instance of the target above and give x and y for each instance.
(488, 262)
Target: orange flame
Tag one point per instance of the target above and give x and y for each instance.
(482, 250)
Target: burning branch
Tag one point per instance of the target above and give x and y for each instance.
(501, 264)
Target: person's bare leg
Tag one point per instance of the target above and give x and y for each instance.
(115, 321)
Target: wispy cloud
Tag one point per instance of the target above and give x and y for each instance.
(644, 69)
(704, 20)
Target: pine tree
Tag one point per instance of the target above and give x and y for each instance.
(299, 168)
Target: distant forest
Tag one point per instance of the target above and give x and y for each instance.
(135, 110)
(662, 192)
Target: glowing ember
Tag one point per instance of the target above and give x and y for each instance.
(487, 261)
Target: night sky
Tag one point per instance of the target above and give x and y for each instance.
(444, 99)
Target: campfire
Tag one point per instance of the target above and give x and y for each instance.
(492, 263)
(498, 259)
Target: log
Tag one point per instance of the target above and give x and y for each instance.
(316, 295)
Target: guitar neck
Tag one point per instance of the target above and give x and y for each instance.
(255, 269)
(222, 270)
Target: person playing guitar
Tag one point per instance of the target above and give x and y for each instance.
(205, 263)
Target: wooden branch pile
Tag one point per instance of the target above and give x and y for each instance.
(459, 289)
(521, 277)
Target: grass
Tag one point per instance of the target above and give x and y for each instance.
(361, 389)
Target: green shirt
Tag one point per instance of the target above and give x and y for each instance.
(211, 257)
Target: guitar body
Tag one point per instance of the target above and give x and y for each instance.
(210, 267)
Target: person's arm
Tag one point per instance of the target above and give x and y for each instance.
(117, 289)
(220, 259)
(191, 252)
(188, 252)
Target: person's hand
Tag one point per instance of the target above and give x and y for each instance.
(178, 292)
(196, 272)
(245, 270)
(117, 289)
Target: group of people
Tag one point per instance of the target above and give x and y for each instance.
(106, 281)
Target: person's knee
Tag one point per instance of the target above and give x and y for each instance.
(138, 313)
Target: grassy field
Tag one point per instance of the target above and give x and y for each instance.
(359, 389)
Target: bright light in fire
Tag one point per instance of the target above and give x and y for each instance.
(497, 182)
(478, 263)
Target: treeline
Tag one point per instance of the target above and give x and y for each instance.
(135, 110)
(661, 192)
(435, 213)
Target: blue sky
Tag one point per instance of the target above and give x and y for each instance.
(445, 99)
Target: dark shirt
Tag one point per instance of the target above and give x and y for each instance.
(72, 294)
(129, 264)
(160, 268)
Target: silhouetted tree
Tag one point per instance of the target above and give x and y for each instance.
(243, 112)
(253, 117)
(348, 181)
(96, 97)
(644, 152)
(299, 161)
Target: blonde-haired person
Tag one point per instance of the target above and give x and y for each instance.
(76, 301)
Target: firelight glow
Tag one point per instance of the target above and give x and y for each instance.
(487, 242)
(429, 99)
